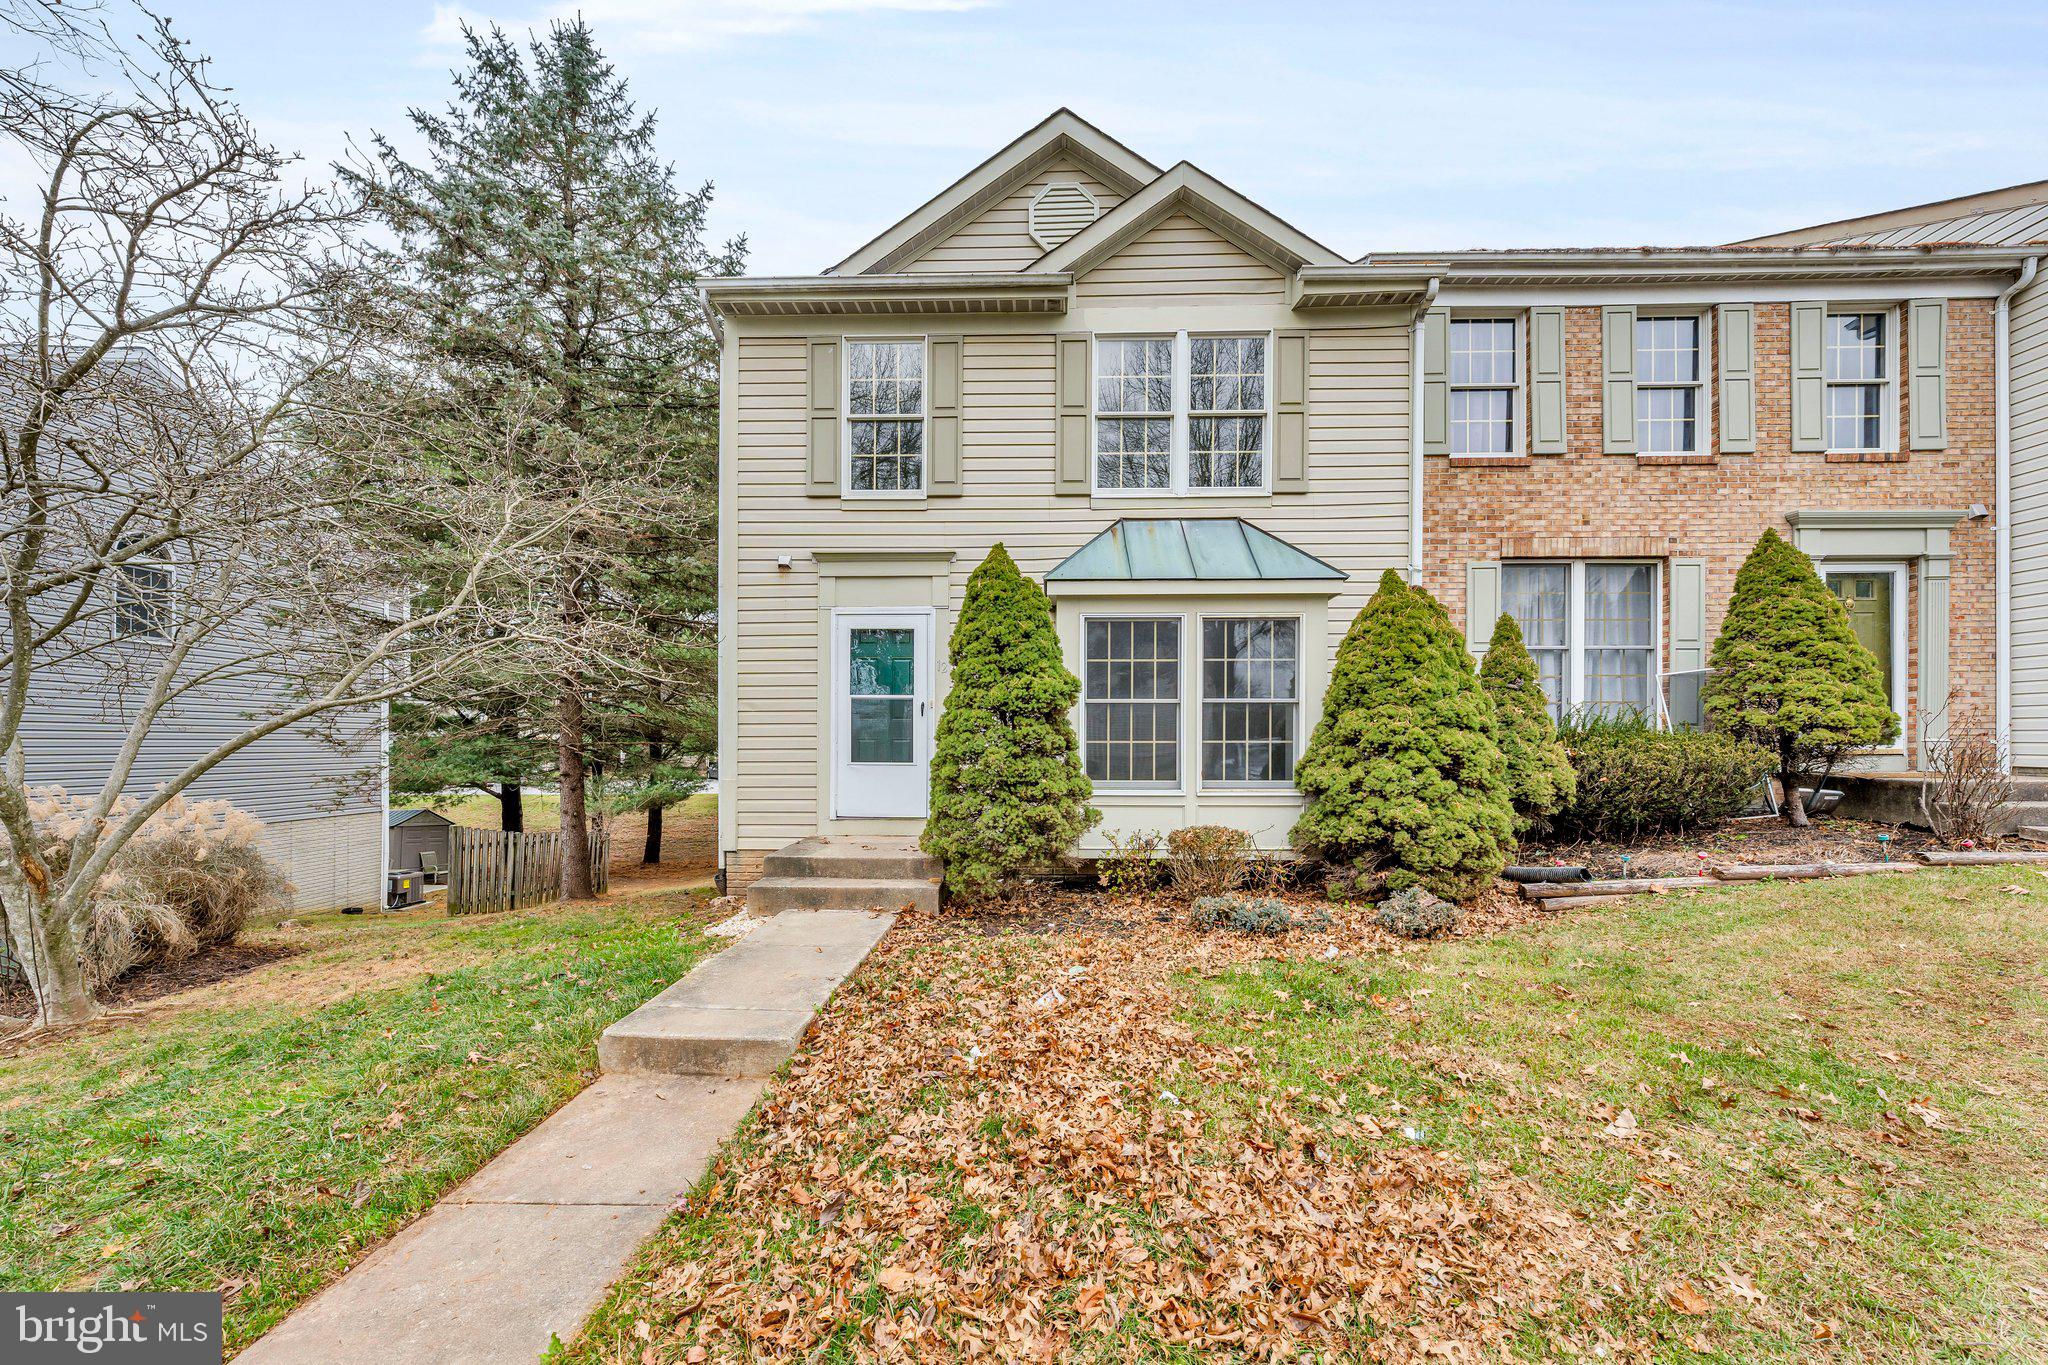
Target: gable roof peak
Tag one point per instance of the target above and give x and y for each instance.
(1186, 187)
(1060, 133)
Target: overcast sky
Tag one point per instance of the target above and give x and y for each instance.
(1370, 127)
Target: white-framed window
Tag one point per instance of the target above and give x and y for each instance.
(1130, 700)
(1227, 412)
(1182, 413)
(144, 596)
(885, 410)
(1857, 363)
(1251, 699)
(1485, 385)
(1671, 366)
(1134, 388)
(1592, 628)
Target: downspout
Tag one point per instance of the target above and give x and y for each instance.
(1415, 431)
(2001, 398)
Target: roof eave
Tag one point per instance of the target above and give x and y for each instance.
(1688, 266)
(840, 295)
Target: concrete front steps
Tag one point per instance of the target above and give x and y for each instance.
(743, 1012)
(858, 873)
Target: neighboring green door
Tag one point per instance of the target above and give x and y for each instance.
(1868, 596)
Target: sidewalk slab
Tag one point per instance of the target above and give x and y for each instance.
(745, 1011)
(526, 1248)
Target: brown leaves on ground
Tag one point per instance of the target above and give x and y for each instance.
(982, 1151)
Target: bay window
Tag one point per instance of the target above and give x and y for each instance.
(1130, 700)
(1181, 413)
(1251, 696)
(1591, 627)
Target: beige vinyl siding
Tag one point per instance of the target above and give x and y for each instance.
(1000, 237)
(331, 860)
(1182, 258)
(1354, 516)
(2030, 528)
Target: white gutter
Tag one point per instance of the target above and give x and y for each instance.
(1415, 432)
(2001, 400)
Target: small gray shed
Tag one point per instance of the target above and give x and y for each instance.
(415, 830)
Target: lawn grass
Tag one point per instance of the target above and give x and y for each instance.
(1782, 1049)
(1774, 1121)
(479, 810)
(263, 1138)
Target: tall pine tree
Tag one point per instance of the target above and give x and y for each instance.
(545, 283)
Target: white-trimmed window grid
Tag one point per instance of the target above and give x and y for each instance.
(885, 412)
(1182, 413)
(1857, 370)
(1130, 700)
(1592, 628)
(1251, 699)
(1670, 402)
(1485, 385)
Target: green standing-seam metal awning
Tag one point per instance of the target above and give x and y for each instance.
(1163, 549)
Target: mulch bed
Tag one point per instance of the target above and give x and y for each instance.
(150, 983)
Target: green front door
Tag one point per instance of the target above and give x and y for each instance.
(1868, 597)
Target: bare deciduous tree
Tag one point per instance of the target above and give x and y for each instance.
(174, 299)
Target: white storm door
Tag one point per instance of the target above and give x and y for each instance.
(881, 712)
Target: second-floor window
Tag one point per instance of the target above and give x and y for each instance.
(1857, 369)
(143, 589)
(1181, 414)
(1485, 385)
(885, 416)
(1668, 385)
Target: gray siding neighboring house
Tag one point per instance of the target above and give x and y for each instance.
(2014, 216)
(317, 789)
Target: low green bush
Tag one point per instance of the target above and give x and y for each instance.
(1636, 780)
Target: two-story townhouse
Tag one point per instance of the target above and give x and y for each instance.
(2015, 217)
(1207, 434)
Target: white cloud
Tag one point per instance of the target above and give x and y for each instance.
(685, 25)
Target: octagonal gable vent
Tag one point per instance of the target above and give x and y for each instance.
(1059, 211)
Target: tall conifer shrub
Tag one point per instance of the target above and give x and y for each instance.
(1540, 778)
(1790, 674)
(1008, 791)
(1403, 772)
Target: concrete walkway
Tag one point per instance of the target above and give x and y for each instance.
(525, 1248)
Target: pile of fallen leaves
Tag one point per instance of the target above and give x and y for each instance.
(1009, 1145)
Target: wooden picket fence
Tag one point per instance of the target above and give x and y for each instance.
(496, 871)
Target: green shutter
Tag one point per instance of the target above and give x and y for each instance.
(1809, 387)
(1546, 381)
(1927, 351)
(822, 469)
(1736, 328)
(942, 418)
(1436, 382)
(1688, 641)
(1071, 382)
(1290, 412)
(1618, 379)
(1482, 606)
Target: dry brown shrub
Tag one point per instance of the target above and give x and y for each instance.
(1207, 860)
(1967, 790)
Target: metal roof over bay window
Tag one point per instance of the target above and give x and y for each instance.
(1182, 549)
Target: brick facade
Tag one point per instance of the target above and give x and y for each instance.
(1712, 507)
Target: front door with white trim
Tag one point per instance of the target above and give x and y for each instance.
(881, 713)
